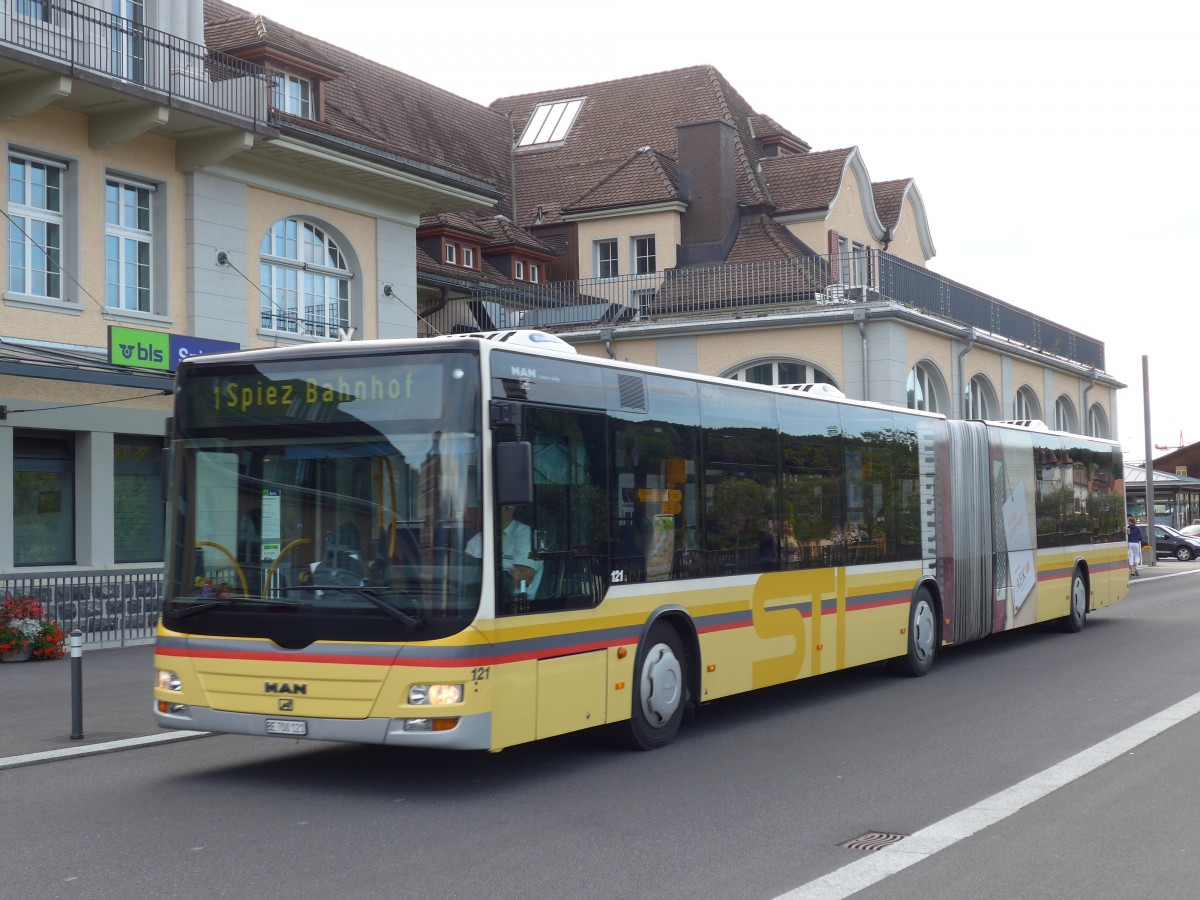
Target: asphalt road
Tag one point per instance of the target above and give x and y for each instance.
(753, 801)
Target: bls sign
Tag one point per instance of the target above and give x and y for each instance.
(138, 348)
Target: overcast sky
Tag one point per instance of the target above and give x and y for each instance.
(1053, 142)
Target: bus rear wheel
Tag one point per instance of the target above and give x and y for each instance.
(922, 637)
(1073, 621)
(660, 690)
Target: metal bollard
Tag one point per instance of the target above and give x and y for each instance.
(76, 685)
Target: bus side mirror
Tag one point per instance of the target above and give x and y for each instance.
(514, 473)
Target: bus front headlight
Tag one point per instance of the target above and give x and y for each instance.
(168, 681)
(435, 694)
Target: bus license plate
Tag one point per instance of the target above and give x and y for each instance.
(285, 726)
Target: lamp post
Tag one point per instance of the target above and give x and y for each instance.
(1153, 561)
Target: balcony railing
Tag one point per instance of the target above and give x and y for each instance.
(758, 288)
(84, 38)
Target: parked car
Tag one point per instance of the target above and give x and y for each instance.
(1169, 542)
(1192, 531)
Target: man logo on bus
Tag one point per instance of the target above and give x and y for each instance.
(275, 687)
(522, 372)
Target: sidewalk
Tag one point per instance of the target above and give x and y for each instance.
(35, 700)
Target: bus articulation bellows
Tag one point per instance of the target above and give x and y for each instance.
(474, 542)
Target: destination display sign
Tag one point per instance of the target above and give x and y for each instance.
(294, 393)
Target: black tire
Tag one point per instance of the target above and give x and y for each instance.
(659, 690)
(1074, 620)
(922, 637)
(1183, 554)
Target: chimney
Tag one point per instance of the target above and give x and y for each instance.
(708, 182)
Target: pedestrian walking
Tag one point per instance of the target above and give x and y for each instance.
(1134, 536)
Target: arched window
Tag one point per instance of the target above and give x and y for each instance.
(304, 279)
(981, 399)
(1025, 405)
(781, 371)
(925, 388)
(1064, 415)
(1097, 421)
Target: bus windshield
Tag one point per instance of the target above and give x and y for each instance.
(327, 500)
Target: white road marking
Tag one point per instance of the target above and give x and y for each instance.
(911, 850)
(27, 759)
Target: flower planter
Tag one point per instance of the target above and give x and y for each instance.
(17, 655)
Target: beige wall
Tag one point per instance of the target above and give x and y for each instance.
(906, 243)
(663, 225)
(57, 134)
(818, 345)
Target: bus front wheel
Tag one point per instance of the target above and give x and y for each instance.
(922, 637)
(660, 690)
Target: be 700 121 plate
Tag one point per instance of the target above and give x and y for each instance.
(286, 726)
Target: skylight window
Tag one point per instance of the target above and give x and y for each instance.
(550, 122)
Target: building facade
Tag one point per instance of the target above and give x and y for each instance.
(185, 177)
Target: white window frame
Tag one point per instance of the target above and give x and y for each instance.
(292, 94)
(451, 254)
(33, 10)
(519, 270)
(32, 226)
(978, 405)
(643, 250)
(130, 275)
(305, 280)
(1064, 414)
(468, 257)
(922, 389)
(1097, 421)
(533, 274)
(1025, 405)
(809, 373)
(550, 122)
(852, 262)
(602, 261)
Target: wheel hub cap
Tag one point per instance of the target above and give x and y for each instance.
(661, 685)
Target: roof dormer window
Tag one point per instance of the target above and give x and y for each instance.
(292, 94)
(550, 122)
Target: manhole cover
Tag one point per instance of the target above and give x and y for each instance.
(873, 840)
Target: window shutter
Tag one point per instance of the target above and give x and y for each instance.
(835, 262)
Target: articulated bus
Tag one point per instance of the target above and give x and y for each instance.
(348, 522)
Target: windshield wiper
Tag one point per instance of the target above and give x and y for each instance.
(227, 601)
(371, 596)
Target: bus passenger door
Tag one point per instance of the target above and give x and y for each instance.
(569, 519)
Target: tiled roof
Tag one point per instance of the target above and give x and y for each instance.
(760, 238)
(805, 183)
(766, 127)
(486, 272)
(379, 107)
(458, 221)
(646, 175)
(616, 119)
(889, 196)
(231, 29)
(492, 229)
